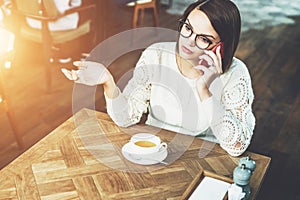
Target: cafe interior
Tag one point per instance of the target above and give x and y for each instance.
(36, 97)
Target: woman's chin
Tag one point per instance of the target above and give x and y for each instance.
(190, 57)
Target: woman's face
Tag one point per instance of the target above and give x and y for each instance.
(200, 24)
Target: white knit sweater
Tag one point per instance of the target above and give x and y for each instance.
(158, 86)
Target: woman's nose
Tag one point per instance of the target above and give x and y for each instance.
(192, 40)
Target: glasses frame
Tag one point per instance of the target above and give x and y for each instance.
(182, 22)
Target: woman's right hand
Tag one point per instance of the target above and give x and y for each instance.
(92, 74)
(88, 73)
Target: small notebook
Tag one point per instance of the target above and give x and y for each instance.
(210, 188)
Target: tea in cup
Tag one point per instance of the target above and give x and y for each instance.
(145, 143)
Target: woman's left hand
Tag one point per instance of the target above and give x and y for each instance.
(209, 72)
(212, 71)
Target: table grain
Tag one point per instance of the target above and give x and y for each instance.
(82, 159)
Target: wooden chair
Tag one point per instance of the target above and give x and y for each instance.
(141, 5)
(46, 11)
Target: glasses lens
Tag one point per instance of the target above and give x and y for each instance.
(203, 42)
(186, 30)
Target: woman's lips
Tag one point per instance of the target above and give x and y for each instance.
(186, 50)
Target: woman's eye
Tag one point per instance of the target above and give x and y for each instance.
(204, 39)
(187, 27)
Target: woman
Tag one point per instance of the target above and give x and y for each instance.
(186, 86)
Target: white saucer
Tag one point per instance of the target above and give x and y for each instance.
(144, 159)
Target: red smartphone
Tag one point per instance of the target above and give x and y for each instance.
(222, 48)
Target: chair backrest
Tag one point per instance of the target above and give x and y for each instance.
(50, 8)
(37, 7)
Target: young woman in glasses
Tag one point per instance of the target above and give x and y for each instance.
(194, 86)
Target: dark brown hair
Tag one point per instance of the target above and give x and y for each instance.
(225, 19)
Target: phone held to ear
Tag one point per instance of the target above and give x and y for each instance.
(204, 62)
(221, 44)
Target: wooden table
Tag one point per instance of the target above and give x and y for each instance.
(82, 159)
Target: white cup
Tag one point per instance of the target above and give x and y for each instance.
(145, 143)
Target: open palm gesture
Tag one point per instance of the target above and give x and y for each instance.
(88, 73)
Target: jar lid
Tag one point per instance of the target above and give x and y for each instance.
(250, 164)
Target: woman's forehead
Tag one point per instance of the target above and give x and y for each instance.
(201, 23)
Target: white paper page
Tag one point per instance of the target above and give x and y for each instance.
(210, 188)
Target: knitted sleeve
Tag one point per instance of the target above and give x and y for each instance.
(128, 108)
(232, 120)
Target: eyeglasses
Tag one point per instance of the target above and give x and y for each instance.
(201, 40)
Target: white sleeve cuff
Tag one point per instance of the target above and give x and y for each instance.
(115, 105)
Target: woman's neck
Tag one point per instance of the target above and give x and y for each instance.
(186, 67)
